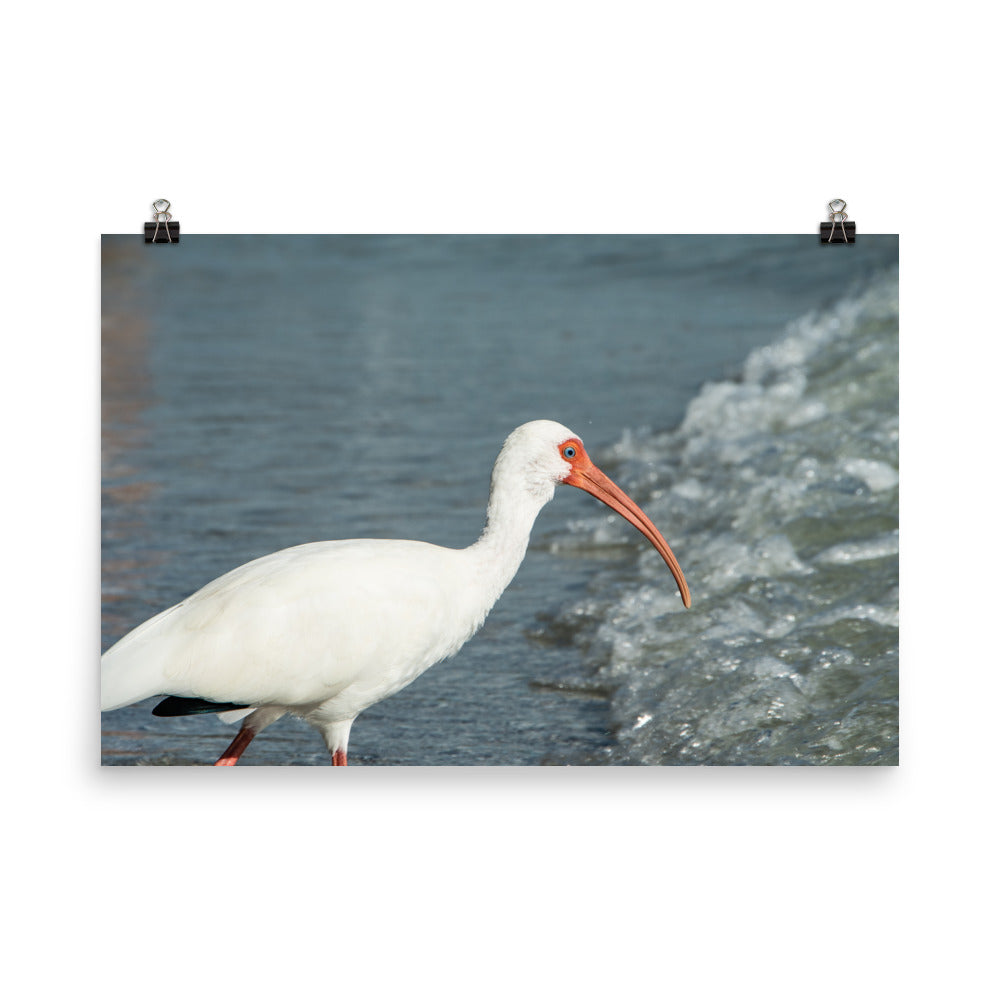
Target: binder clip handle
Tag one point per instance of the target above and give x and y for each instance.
(171, 231)
(838, 216)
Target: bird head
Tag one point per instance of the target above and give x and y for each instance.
(545, 453)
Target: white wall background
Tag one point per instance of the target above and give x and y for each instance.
(486, 117)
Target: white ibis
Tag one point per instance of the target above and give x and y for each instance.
(324, 630)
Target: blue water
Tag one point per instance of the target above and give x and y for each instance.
(261, 391)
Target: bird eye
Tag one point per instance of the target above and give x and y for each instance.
(569, 451)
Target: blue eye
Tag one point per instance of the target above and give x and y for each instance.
(569, 452)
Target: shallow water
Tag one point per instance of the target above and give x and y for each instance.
(264, 391)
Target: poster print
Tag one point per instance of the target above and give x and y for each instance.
(264, 392)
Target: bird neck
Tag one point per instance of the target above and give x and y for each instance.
(504, 541)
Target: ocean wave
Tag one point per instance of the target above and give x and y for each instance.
(779, 494)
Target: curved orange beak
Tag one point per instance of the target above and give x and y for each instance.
(586, 476)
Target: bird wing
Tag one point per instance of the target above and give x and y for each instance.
(298, 626)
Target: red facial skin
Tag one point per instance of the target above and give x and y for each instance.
(586, 476)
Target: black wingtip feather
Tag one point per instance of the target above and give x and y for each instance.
(193, 706)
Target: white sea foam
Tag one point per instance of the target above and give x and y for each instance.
(779, 493)
(876, 475)
(862, 550)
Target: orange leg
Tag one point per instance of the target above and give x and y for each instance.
(339, 758)
(233, 751)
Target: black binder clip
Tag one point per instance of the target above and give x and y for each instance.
(838, 217)
(162, 230)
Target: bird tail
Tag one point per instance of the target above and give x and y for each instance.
(133, 668)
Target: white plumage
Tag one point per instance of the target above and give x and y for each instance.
(326, 629)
